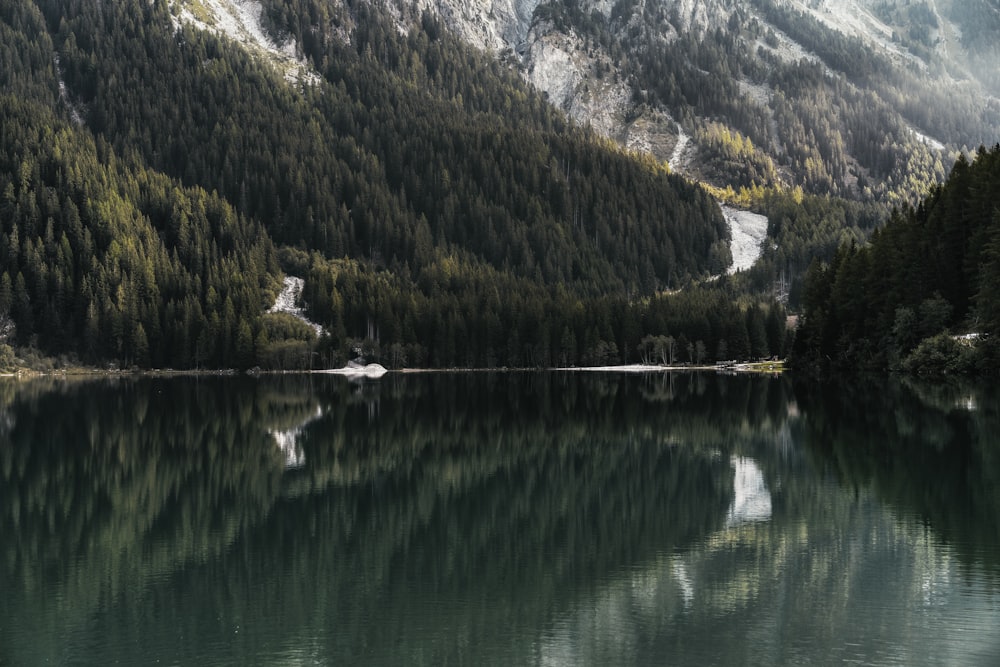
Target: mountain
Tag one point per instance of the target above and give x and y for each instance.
(862, 104)
(867, 99)
(155, 175)
(476, 184)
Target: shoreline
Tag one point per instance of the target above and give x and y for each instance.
(82, 372)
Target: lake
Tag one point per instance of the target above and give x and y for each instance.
(499, 518)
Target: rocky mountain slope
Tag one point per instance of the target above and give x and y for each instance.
(863, 99)
(868, 99)
(597, 83)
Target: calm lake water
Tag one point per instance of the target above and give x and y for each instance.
(507, 519)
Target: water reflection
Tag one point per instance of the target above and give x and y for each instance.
(499, 519)
(920, 448)
(287, 439)
(751, 500)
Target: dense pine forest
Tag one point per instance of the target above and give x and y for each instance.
(924, 295)
(409, 143)
(157, 181)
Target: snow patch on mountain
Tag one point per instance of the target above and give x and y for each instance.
(356, 371)
(930, 142)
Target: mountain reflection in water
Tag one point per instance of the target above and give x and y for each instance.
(518, 518)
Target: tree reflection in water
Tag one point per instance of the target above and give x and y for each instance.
(513, 518)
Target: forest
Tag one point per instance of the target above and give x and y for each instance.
(156, 182)
(839, 124)
(409, 143)
(441, 212)
(924, 295)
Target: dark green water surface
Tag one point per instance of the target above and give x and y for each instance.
(501, 519)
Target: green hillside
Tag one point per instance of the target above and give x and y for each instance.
(931, 274)
(158, 180)
(441, 212)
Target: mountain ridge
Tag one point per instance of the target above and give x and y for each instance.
(582, 55)
(593, 60)
(158, 179)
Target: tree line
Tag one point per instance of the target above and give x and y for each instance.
(930, 275)
(456, 314)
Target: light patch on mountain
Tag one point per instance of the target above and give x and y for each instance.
(288, 302)
(576, 82)
(654, 132)
(578, 75)
(697, 14)
(747, 231)
(852, 18)
(930, 142)
(491, 25)
(240, 20)
(76, 113)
